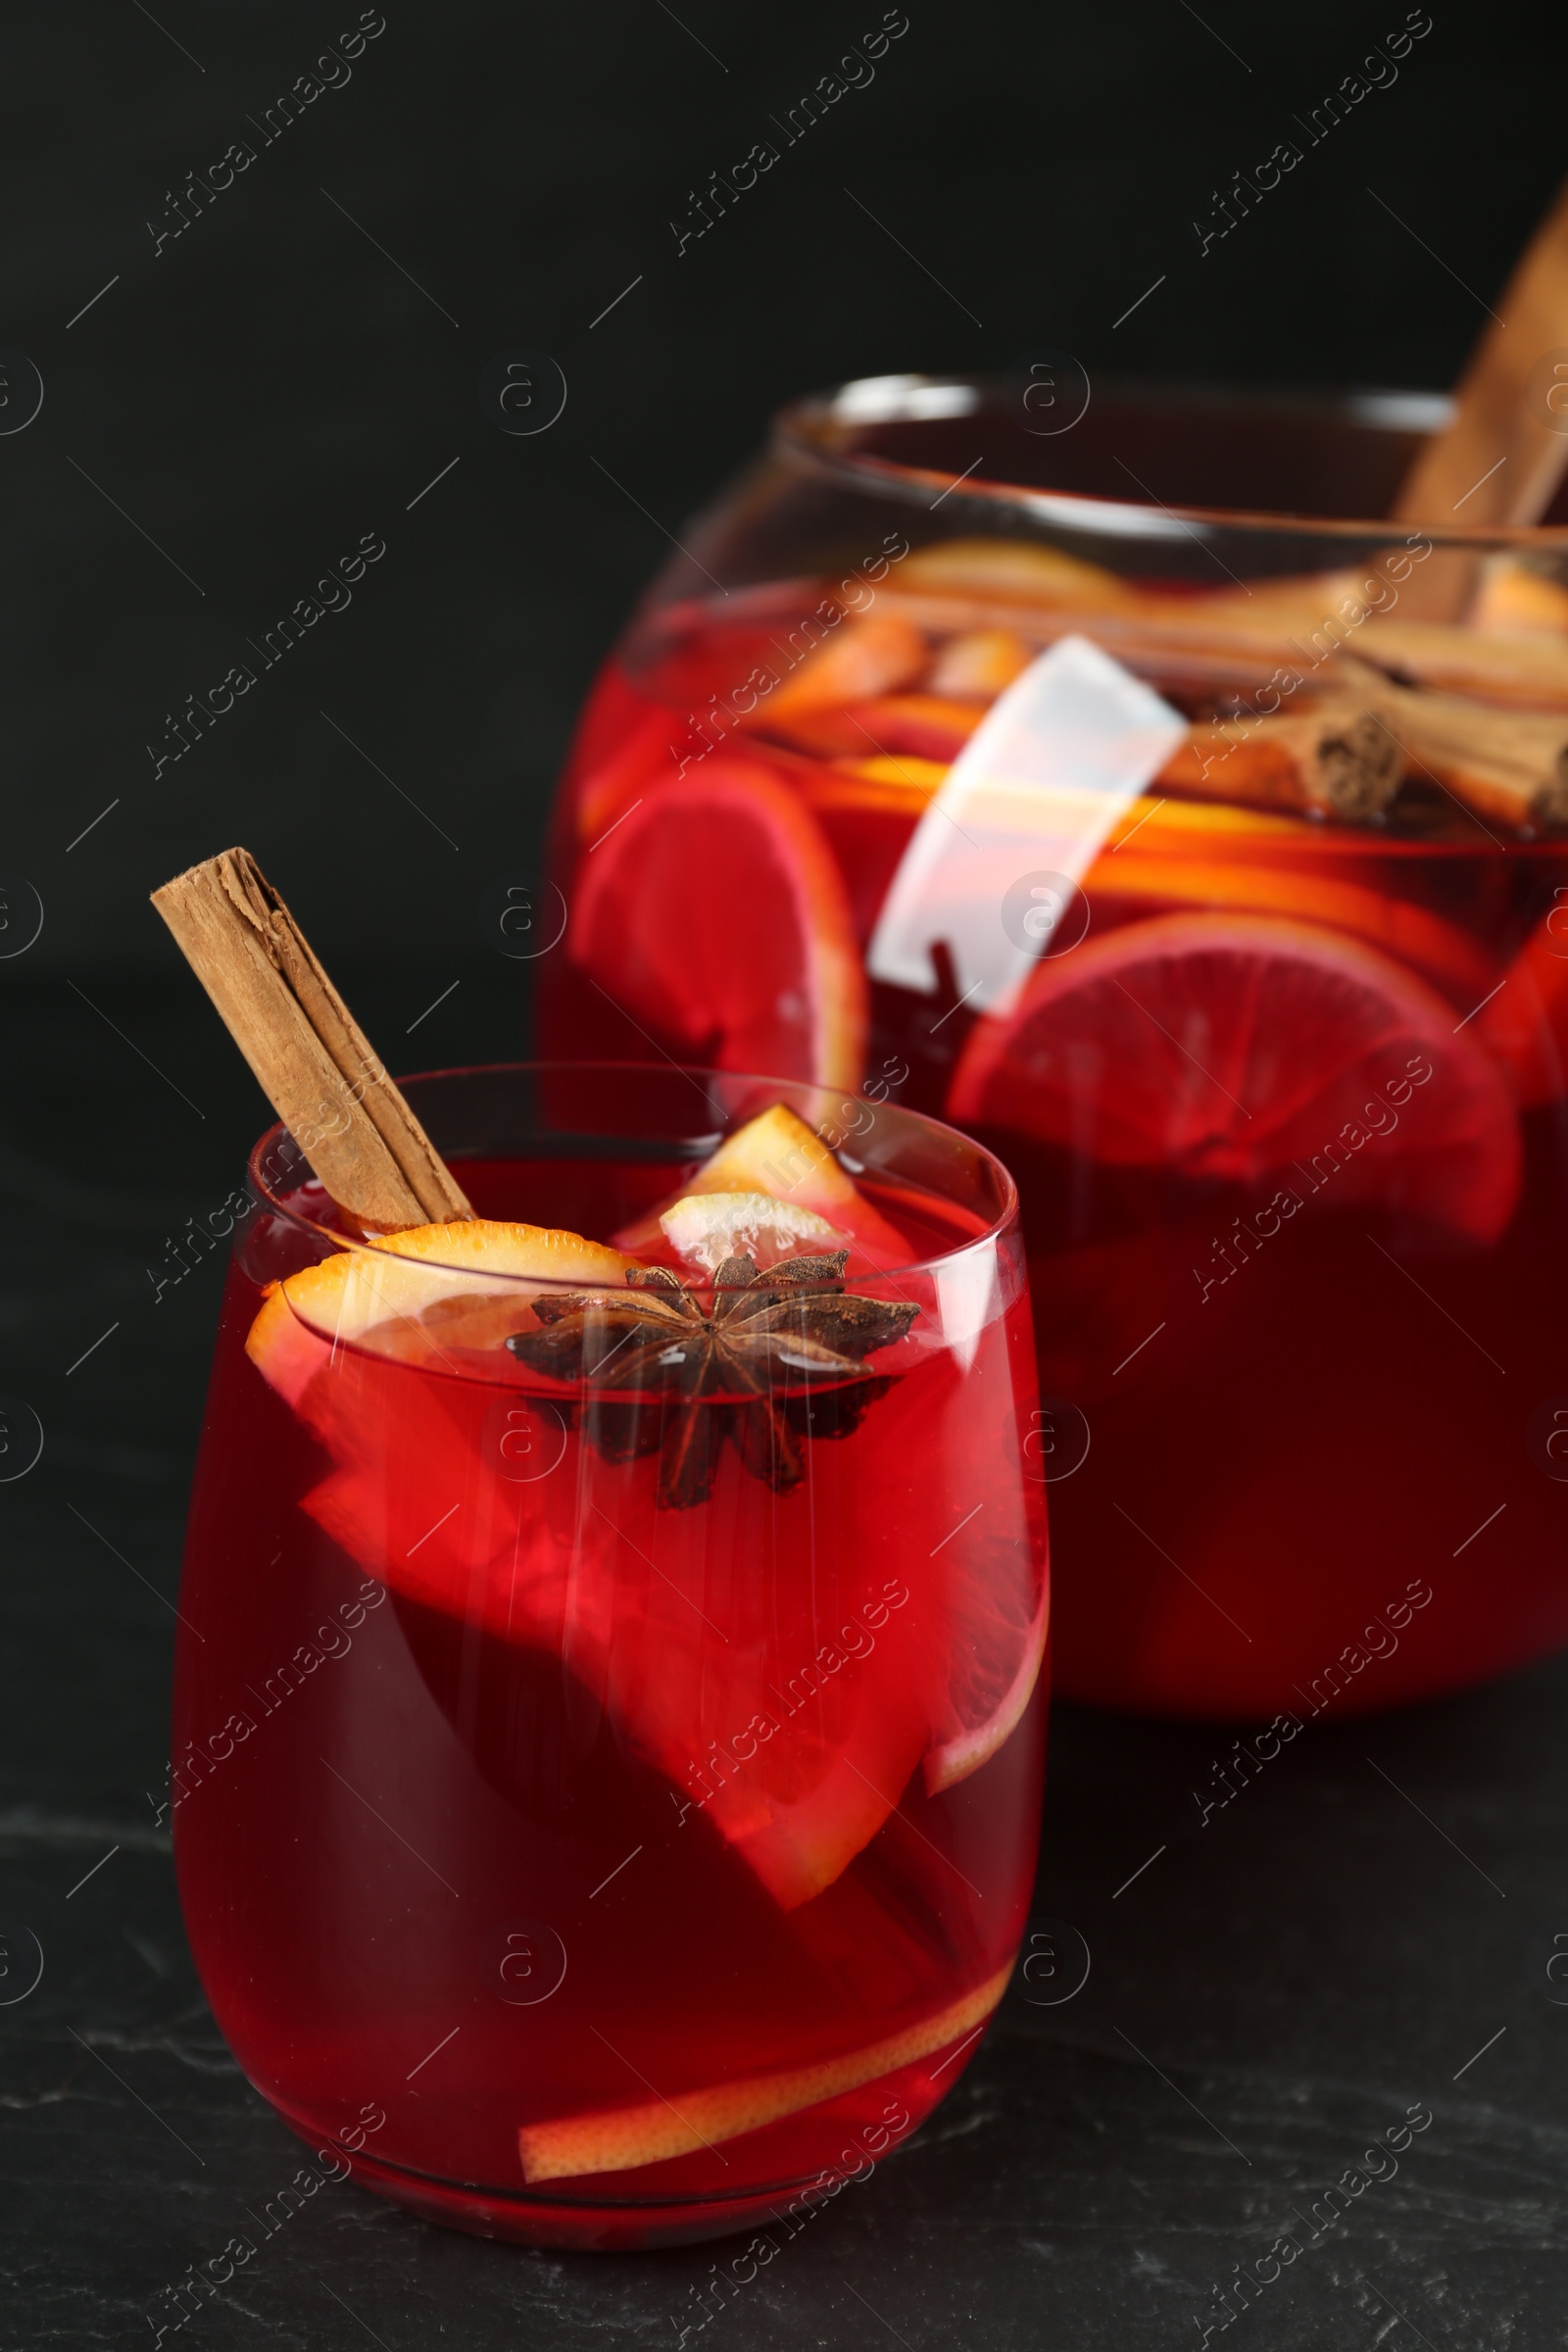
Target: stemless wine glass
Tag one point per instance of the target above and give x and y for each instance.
(1284, 1091)
(609, 1717)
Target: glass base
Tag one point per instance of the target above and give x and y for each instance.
(634, 2226)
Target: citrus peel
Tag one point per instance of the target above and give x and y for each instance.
(706, 1228)
(378, 1295)
(621, 2139)
(778, 1155)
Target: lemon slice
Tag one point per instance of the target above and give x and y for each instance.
(620, 2138)
(382, 1297)
(708, 1227)
(778, 1155)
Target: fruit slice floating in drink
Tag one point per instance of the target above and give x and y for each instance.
(1000, 1625)
(715, 915)
(776, 1157)
(704, 1229)
(695, 1398)
(693, 1552)
(1524, 1021)
(416, 1295)
(651, 2134)
(1234, 1050)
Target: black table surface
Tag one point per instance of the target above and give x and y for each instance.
(1369, 1929)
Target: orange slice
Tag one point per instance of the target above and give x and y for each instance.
(865, 657)
(778, 1155)
(981, 662)
(927, 726)
(902, 784)
(715, 915)
(1207, 828)
(924, 726)
(795, 1740)
(622, 2138)
(1001, 1616)
(1526, 1023)
(866, 782)
(640, 764)
(1231, 1049)
(1146, 876)
(706, 1228)
(1017, 571)
(397, 1297)
(1166, 852)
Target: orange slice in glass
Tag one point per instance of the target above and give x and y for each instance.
(429, 1493)
(414, 1294)
(1000, 1616)
(777, 1155)
(704, 1229)
(620, 2139)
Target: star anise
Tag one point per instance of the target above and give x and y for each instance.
(789, 1348)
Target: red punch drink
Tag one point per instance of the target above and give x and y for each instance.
(610, 1709)
(1281, 1069)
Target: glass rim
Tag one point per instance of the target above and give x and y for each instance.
(275, 1203)
(812, 430)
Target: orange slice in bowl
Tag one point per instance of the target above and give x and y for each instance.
(1015, 571)
(867, 654)
(1234, 1049)
(620, 2139)
(715, 915)
(1235, 885)
(641, 763)
(1525, 1025)
(981, 663)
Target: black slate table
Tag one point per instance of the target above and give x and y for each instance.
(1367, 1929)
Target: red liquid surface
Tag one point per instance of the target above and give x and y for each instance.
(1295, 1433)
(469, 1747)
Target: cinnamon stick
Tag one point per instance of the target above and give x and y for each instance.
(1511, 766)
(1335, 760)
(313, 1061)
(1531, 671)
(1500, 458)
(1184, 643)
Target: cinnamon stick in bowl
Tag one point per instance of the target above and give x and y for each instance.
(1335, 760)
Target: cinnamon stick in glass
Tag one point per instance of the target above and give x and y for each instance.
(311, 1059)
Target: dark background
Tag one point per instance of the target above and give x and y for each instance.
(269, 386)
(256, 396)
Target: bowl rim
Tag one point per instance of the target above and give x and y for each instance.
(812, 430)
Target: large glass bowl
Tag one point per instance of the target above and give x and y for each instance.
(1281, 1078)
